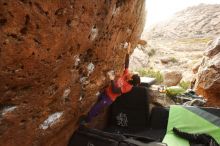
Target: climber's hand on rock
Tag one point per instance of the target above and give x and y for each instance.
(111, 75)
(129, 48)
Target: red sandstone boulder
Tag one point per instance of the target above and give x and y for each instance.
(54, 56)
(195, 67)
(172, 78)
(208, 76)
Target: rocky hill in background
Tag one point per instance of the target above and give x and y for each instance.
(177, 45)
(198, 21)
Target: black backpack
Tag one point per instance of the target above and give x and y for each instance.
(131, 110)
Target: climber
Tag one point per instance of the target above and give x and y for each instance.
(117, 87)
(135, 80)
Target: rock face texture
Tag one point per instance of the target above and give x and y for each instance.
(208, 76)
(54, 56)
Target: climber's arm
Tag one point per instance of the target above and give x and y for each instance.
(114, 88)
(127, 56)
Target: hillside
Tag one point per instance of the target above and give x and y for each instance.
(182, 39)
(201, 21)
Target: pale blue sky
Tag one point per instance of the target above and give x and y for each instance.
(159, 10)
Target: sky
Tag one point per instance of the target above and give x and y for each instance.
(159, 10)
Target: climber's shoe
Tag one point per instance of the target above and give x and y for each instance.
(82, 120)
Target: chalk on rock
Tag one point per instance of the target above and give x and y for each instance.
(51, 120)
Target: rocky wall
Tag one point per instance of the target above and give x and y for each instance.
(208, 76)
(54, 56)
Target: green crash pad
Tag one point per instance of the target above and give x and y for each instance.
(190, 120)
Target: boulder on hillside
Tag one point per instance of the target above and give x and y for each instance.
(208, 76)
(139, 59)
(142, 42)
(166, 60)
(213, 48)
(195, 67)
(172, 78)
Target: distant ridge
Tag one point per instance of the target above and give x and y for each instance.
(201, 21)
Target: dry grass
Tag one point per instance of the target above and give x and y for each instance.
(194, 40)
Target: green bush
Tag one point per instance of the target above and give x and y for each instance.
(174, 90)
(184, 84)
(174, 60)
(152, 52)
(151, 73)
